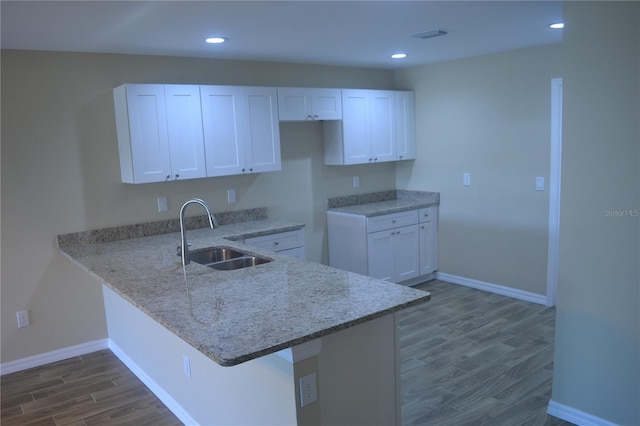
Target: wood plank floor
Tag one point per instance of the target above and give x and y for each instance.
(467, 358)
(93, 389)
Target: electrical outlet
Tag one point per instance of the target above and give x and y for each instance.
(466, 179)
(22, 317)
(231, 196)
(308, 389)
(186, 366)
(163, 206)
(356, 181)
(540, 183)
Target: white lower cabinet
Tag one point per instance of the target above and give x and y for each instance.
(392, 254)
(428, 240)
(397, 247)
(290, 243)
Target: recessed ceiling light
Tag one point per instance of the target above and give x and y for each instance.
(399, 55)
(216, 40)
(557, 25)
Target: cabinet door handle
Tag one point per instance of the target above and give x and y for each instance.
(375, 159)
(168, 177)
(177, 176)
(422, 227)
(315, 116)
(400, 157)
(275, 243)
(309, 117)
(393, 221)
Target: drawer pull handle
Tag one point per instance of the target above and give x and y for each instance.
(276, 243)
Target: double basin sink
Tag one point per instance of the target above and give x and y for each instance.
(225, 258)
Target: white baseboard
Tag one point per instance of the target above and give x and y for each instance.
(157, 390)
(575, 416)
(53, 356)
(493, 288)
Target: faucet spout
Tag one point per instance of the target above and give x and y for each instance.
(183, 234)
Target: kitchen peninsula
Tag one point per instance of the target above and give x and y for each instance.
(264, 326)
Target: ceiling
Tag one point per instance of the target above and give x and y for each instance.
(344, 33)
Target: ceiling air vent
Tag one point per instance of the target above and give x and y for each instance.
(430, 34)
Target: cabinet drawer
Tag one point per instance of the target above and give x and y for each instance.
(394, 220)
(278, 242)
(429, 214)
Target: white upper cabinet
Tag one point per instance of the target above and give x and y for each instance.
(383, 125)
(262, 130)
(159, 132)
(302, 104)
(222, 125)
(405, 126)
(367, 132)
(241, 130)
(184, 124)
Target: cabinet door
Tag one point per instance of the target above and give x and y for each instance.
(356, 129)
(294, 104)
(261, 130)
(407, 249)
(222, 126)
(184, 126)
(405, 126)
(381, 255)
(383, 127)
(428, 247)
(326, 104)
(146, 134)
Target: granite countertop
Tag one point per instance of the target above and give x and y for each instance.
(235, 316)
(386, 202)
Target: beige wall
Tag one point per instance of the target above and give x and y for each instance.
(60, 174)
(488, 116)
(597, 345)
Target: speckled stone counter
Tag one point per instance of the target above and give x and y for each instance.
(235, 316)
(385, 202)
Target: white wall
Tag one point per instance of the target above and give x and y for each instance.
(60, 174)
(257, 392)
(597, 345)
(488, 116)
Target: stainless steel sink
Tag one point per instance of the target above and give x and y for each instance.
(240, 262)
(225, 258)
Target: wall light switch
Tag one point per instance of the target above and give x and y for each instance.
(231, 196)
(163, 206)
(466, 179)
(540, 183)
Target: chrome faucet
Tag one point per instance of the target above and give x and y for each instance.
(212, 221)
